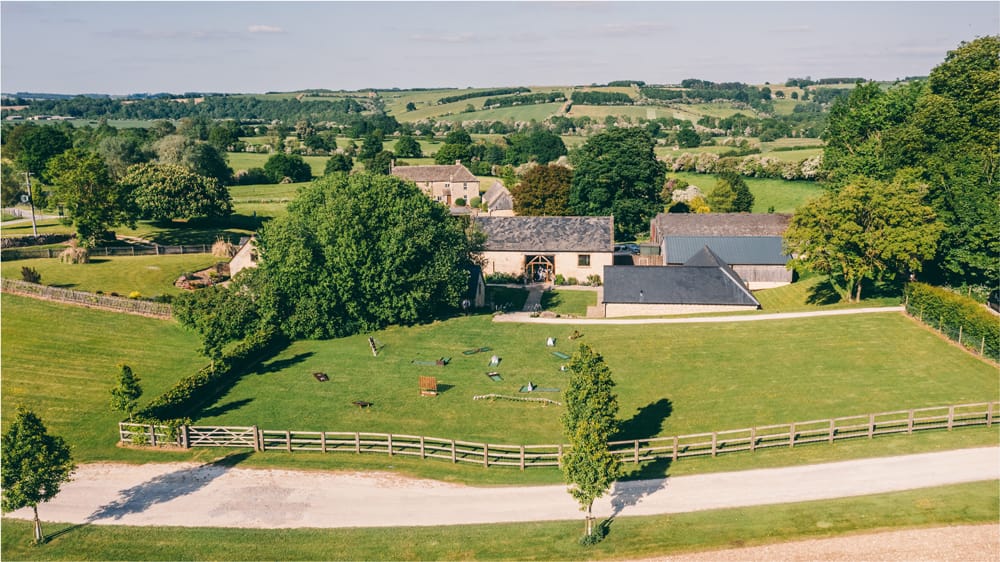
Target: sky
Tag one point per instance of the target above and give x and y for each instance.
(136, 47)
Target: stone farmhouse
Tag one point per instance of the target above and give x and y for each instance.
(499, 202)
(749, 243)
(542, 247)
(444, 184)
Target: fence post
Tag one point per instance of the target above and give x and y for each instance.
(982, 346)
(636, 451)
(322, 441)
(960, 327)
(753, 439)
(454, 459)
(951, 417)
(522, 457)
(791, 435)
(675, 448)
(833, 429)
(152, 435)
(871, 425)
(560, 455)
(184, 437)
(486, 455)
(989, 414)
(390, 444)
(715, 439)
(256, 438)
(909, 424)
(288, 440)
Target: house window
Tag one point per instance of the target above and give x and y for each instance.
(583, 260)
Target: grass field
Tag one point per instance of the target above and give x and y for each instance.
(628, 537)
(785, 196)
(149, 275)
(247, 160)
(538, 112)
(569, 302)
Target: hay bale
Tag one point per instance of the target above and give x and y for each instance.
(74, 254)
(224, 249)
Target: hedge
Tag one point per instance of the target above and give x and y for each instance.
(198, 388)
(955, 315)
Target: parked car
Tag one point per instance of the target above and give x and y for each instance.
(627, 248)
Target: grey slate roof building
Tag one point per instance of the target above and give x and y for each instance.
(717, 224)
(498, 198)
(548, 234)
(705, 279)
(756, 250)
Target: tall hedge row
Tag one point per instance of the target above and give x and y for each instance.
(941, 308)
(191, 391)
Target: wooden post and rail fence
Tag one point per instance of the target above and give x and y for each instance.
(83, 298)
(865, 426)
(129, 250)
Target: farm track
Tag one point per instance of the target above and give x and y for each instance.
(526, 317)
(216, 495)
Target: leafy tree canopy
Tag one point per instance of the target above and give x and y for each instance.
(168, 191)
(219, 315)
(93, 201)
(338, 162)
(408, 147)
(617, 168)
(31, 146)
(543, 191)
(731, 195)
(357, 253)
(280, 166)
(868, 230)
(125, 394)
(539, 145)
(35, 465)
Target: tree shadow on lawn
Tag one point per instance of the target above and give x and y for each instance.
(224, 408)
(281, 364)
(203, 230)
(166, 487)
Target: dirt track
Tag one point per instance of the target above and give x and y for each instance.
(187, 494)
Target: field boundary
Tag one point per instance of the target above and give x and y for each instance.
(131, 250)
(528, 456)
(89, 300)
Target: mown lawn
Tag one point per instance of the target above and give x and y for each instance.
(149, 275)
(569, 302)
(628, 537)
(246, 160)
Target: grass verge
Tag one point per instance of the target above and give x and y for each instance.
(628, 537)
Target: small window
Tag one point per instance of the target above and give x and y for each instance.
(583, 260)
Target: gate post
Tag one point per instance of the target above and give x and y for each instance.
(256, 439)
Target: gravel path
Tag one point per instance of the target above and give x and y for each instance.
(525, 317)
(188, 494)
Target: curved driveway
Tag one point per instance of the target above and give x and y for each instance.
(187, 494)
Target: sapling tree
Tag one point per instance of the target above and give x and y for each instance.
(125, 395)
(35, 465)
(589, 421)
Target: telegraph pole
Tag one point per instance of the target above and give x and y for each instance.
(31, 199)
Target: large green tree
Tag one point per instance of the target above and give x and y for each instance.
(280, 166)
(357, 253)
(168, 191)
(35, 465)
(730, 195)
(338, 162)
(32, 146)
(543, 191)
(408, 147)
(588, 423)
(539, 145)
(219, 315)
(867, 230)
(93, 201)
(616, 172)
(946, 130)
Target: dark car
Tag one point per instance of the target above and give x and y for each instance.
(628, 248)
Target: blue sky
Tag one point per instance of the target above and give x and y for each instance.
(127, 47)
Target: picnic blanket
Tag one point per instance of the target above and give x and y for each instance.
(527, 388)
(475, 351)
(560, 354)
(439, 363)
(494, 376)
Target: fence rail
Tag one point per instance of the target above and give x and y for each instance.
(83, 298)
(131, 250)
(865, 426)
(977, 345)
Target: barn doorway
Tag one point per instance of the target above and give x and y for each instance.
(539, 269)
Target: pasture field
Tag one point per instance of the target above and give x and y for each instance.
(268, 191)
(633, 112)
(149, 275)
(537, 111)
(794, 155)
(785, 196)
(629, 537)
(247, 160)
(786, 142)
(714, 376)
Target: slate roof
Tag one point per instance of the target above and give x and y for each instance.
(737, 250)
(718, 224)
(453, 173)
(548, 234)
(704, 279)
(498, 198)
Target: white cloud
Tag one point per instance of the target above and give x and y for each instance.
(265, 29)
(431, 38)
